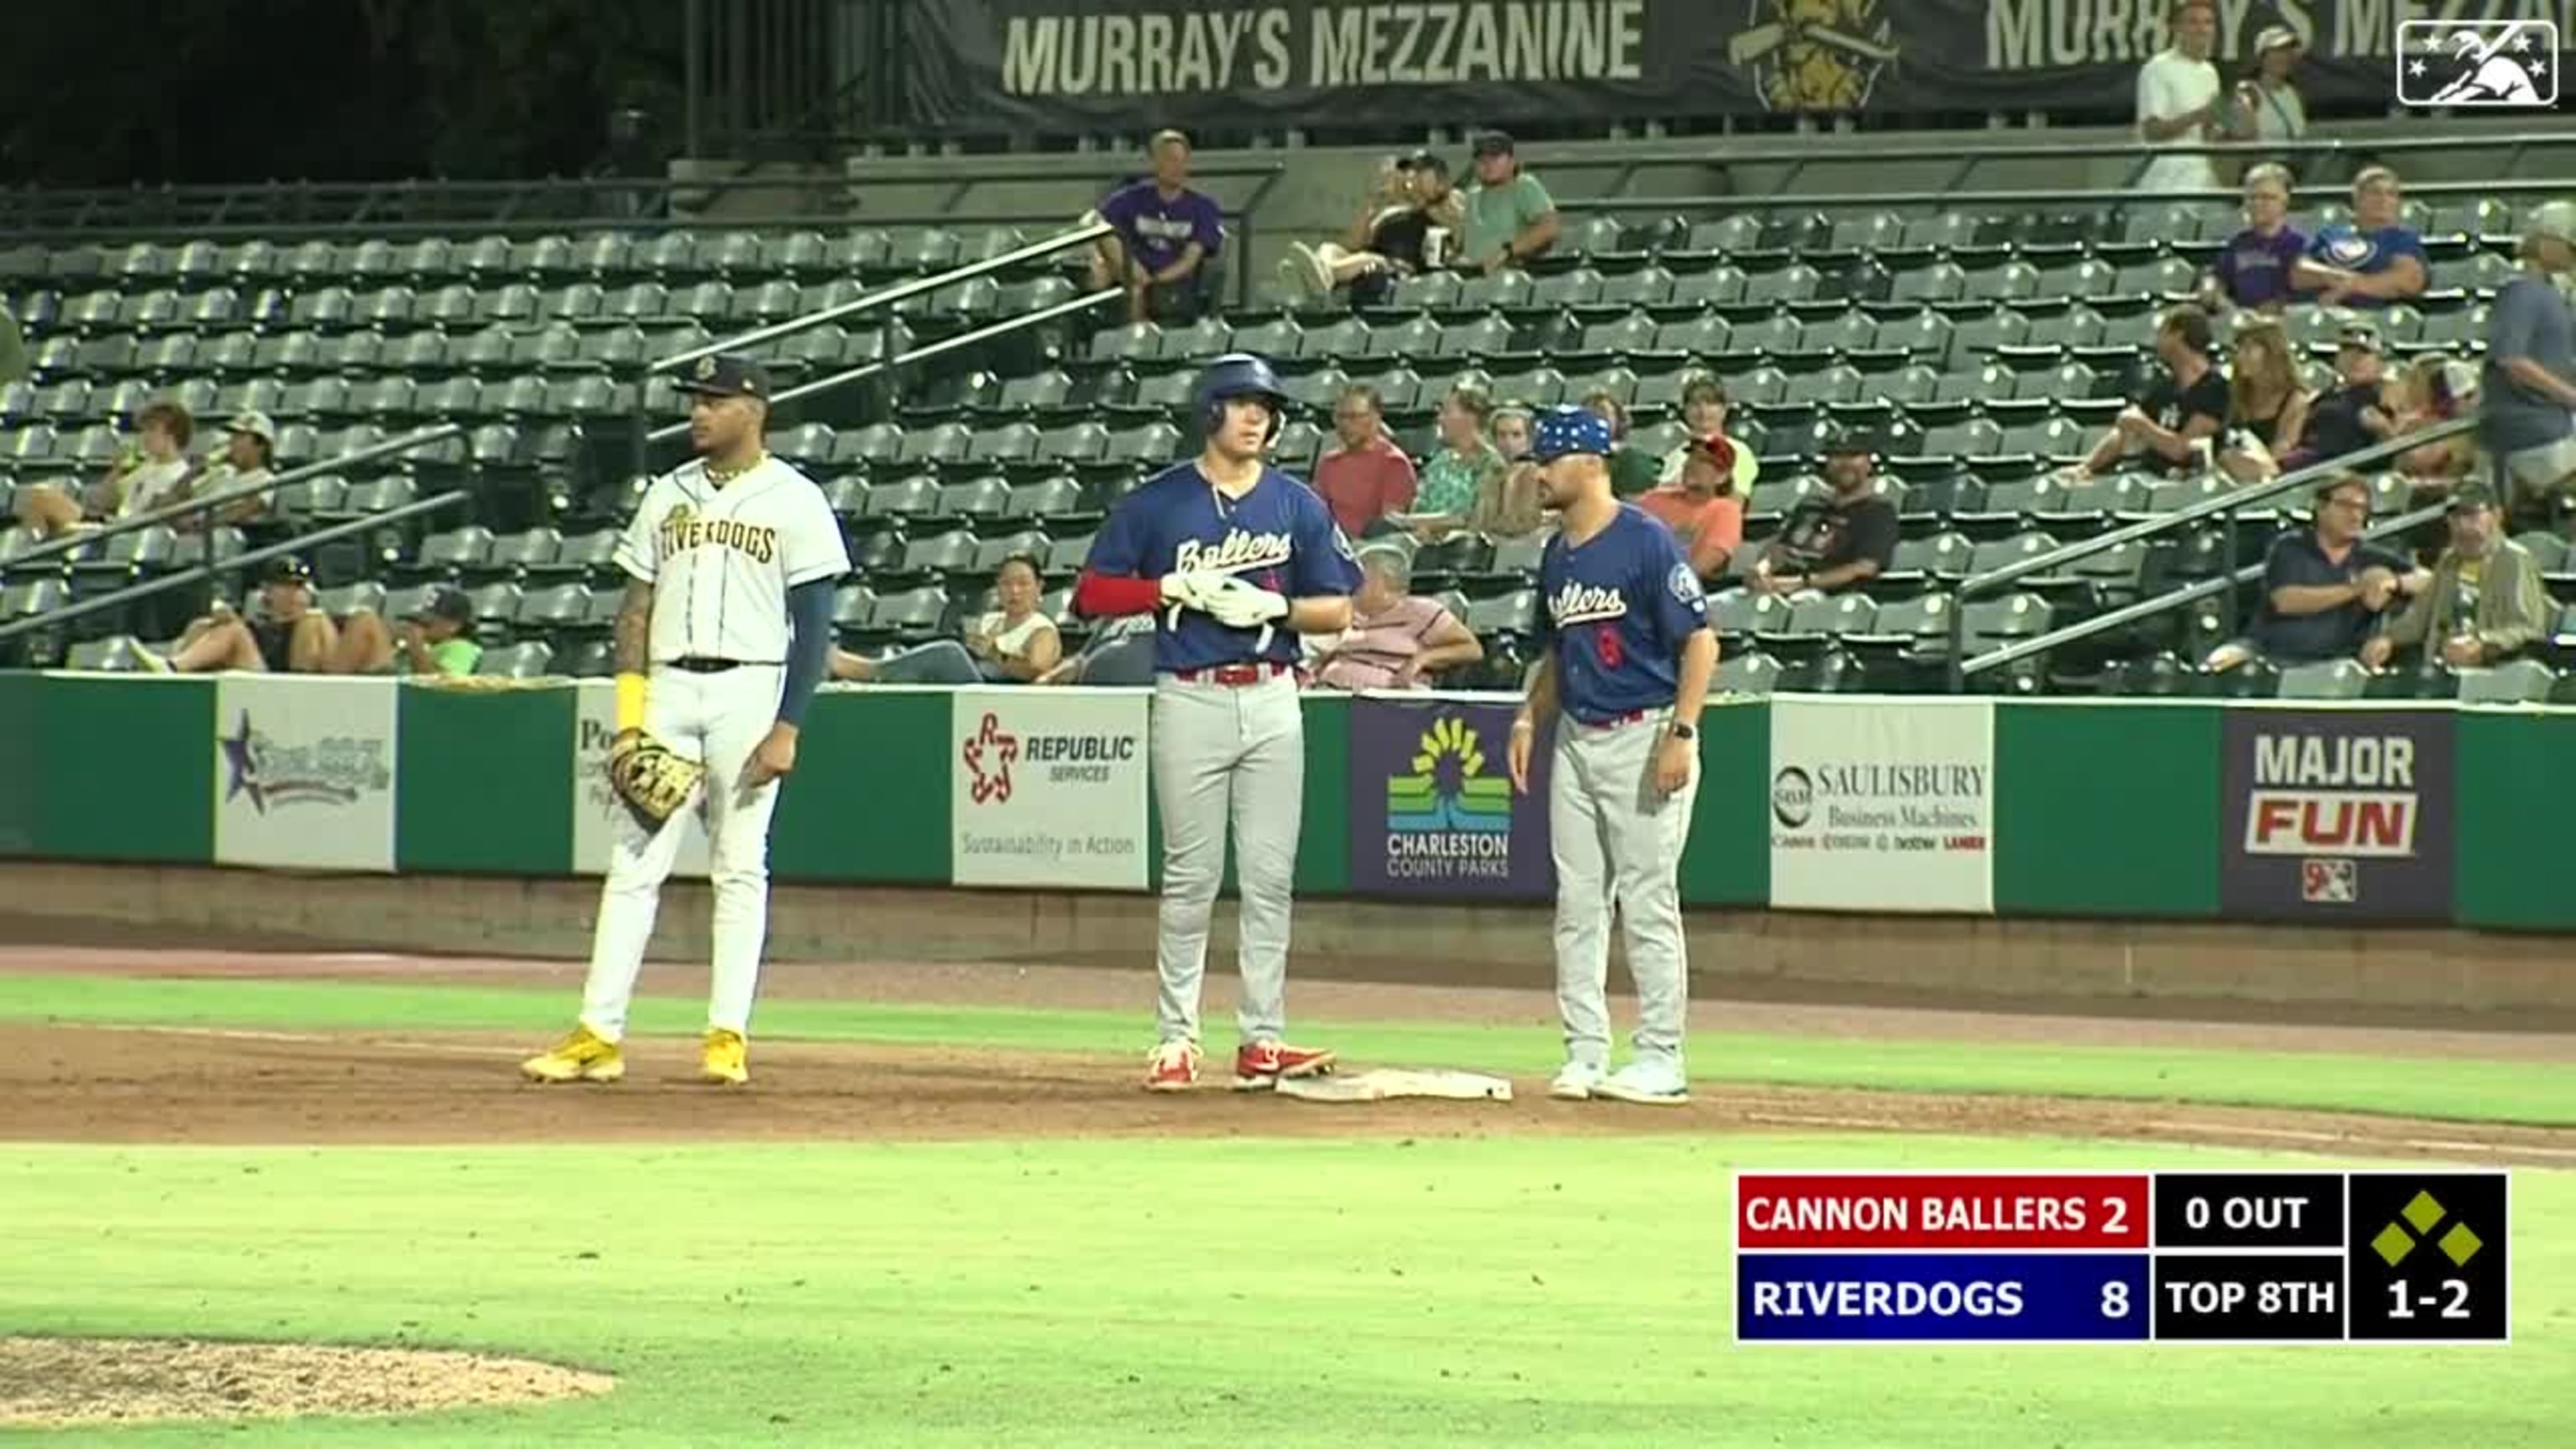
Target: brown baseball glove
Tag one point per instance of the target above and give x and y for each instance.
(652, 780)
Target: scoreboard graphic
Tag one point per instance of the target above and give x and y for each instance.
(2241, 1258)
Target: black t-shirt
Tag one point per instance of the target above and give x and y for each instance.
(2334, 420)
(1400, 235)
(2298, 561)
(273, 637)
(2172, 405)
(1821, 534)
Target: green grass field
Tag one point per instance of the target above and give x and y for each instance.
(1542, 1290)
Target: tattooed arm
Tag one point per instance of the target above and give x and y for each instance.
(633, 627)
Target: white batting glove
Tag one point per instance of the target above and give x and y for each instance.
(1241, 604)
(1187, 589)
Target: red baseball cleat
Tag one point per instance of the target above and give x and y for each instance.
(1260, 1064)
(1173, 1067)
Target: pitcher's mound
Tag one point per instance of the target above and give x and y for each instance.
(54, 1382)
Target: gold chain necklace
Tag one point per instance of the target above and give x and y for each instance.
(722, 476)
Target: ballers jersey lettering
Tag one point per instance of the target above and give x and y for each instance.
(721, 559)
(1280, 535)
(1617, 609)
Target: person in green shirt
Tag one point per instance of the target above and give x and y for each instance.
(436, 640)
(1465, 469)
(1510, 217)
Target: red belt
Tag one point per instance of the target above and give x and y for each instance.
(1231, 674)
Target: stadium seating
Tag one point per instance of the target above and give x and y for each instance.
(1981, 353)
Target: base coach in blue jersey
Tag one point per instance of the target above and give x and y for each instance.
(1235, 560)
(1620, 681)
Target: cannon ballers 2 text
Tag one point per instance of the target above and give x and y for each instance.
(1828, 1256)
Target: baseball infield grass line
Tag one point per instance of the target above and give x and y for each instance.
(1089, 1293)
(2438, 1088)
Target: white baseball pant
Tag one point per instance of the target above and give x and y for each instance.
(1227, 754)
(1617, 842)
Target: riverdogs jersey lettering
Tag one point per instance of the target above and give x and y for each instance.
(1280, 535)
(1618, 608)
(721, 559)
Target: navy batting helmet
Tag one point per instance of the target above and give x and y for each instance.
(1239, 374)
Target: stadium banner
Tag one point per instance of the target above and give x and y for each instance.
(304, 771)
(1432, 811)
(1048, 788)
(1882, 804)
(594, 812)
(1003, 66)
(2337, 814)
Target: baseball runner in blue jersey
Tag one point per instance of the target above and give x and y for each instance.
(1622, 679)
(1235, 560)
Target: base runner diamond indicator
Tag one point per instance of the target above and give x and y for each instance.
(2456, 1289)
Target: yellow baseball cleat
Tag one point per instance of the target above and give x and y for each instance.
(724, 1059)
(584, 1056)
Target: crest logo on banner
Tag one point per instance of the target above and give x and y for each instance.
(1815, 55)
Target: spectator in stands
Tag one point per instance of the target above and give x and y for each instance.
(2484, 601)
(1513, 426)
(2372, 260)
(1405, 226)
(2253, 270)
(1702, 507)
(2180, 105)
(2267, 408)
(1104, 267)
(1363, 476)
(1397, 639)
(1836, 539)
(1121, 652)
(1509, 217)
(1632, 471)
(2174, 425)
(1458, 474)
(2528, 392)
(1705, 405)
(2322, 586)
(289, 636)
(2358, 411)
(1170, 237)
(437, 639)
(2434, 390)
(249, 458)
(2268, 108)
(1012, 643)
(145, 476)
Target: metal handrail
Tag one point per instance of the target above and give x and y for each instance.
(70, 543)
(643, 434)
(884, 297)
(211, 567)
(2251, 493)
(1777, 200)
(2174, 599)
(924, 353)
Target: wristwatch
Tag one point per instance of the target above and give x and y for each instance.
(1684, 732)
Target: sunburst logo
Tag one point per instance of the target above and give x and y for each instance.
(1449, 788)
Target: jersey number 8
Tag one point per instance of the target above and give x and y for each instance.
(1605, 643)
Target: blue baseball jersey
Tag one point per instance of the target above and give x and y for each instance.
(1280, 535)
(1618, 607)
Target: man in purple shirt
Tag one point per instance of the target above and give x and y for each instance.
(2253, 270)
(1168, 236)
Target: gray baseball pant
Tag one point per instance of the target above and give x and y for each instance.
(1617, 842)
(1227, 754)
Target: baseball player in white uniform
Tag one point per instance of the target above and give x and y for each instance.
(730, 563)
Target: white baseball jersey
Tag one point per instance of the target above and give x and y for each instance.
(721, 559)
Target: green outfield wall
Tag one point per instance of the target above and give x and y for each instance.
(2278, 812)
